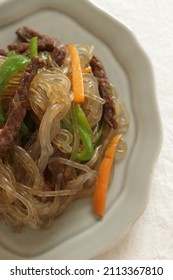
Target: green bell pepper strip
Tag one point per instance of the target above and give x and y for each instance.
(11, 53)
(24, 129)
(99, 133)
(82, 119)
(87, 152)
(10, 67)
(33, 47)
(66, 124)
(85, 133)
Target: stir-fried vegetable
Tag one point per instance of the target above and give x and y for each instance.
(99, 133)
(87, 152)
(11, 53)
(77, 80)
(82, 120)
(33, 47)
(87, 70)
(14, 64)
(101, 187)
(85, 133)
(10, 67)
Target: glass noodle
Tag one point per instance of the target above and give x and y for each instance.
(40, 174)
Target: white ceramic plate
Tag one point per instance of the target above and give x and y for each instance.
(78, 234)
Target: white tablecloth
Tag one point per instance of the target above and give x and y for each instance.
(151, 237)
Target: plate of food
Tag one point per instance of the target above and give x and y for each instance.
(80, 130)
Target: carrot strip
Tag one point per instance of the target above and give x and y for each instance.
(102, 182)
(77, 79)
(87, 70)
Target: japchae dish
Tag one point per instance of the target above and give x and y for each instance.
(61, 125)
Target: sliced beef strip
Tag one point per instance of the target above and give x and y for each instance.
(104, 90)
(19, 48)
(25, 34)
(10, 130)
(45, 43)
(3, 52)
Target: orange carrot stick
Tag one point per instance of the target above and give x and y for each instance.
(87, 70)
(77, 79)
(102, 182)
